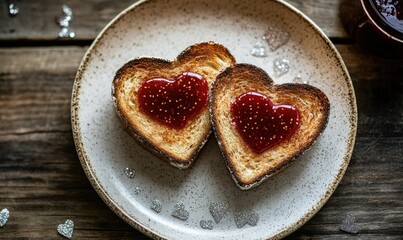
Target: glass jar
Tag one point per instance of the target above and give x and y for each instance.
(376, 25)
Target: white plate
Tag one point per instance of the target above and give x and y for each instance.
(163, 28)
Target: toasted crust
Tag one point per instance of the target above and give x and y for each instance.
(178, 147)
(249, 169)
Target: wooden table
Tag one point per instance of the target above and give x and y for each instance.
(41, 179)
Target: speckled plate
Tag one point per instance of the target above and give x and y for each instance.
(163, 28)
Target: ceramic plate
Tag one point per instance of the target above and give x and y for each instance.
(163, 28)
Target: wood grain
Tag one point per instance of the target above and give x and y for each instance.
(37, 19)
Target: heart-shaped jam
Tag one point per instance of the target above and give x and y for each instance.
(262, 124)
(174, 102)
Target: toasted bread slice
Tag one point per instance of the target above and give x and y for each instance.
(177, 146)
(248, 168)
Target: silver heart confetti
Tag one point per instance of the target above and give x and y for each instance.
(349, 224)
(66, 32)
(13, 8)
(276, 38)
(4, 215)
(206, 224)
(129, 172)
(218, 210)
(258, 50)
(156, 205)
(64, 22)
(180, 212)
(66, 229)
(251, 218)
(137, 190)
(281, 66)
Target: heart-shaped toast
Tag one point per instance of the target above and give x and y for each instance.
(261, 127)
(164, 104)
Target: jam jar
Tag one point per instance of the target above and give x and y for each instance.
(376, 25)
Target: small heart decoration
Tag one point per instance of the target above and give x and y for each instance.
(348, 225)
(180, 212)
(156, 205)
(66, 229)
(174, 102)
(276, 38)
(4, 215)
(218, 210)
(206, 224)
(243, 218)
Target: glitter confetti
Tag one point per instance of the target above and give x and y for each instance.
(218, 210)
(180, 212)
(129, 172)
(251, 218)
(206, 224)
(13, 9)
(349, 225)
(66, 229)
(156, 205)
(299, 79)
(64, 22)
(66, 32)
(276, 38)
(258, 50)
(281, 66)
(137, 190)
(4, 215)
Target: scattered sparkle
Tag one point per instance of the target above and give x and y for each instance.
(4, 215)
(66, 229)
(251, 218)
(298, 79)
(218, 210)
(348, 225)
(66, 32)
(281, 66)
(13, 9)
(137, 190)
(276, 38)
(206, 224)
(180, 212)
(129, 172)
(64, 21)
(156, 205)
(258, 50)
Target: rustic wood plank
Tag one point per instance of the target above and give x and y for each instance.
(42, 186)
(36, 20)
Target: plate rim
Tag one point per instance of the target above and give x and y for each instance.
(135, 223)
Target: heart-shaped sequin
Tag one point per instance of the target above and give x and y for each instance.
(174, 102)
(275, 38)
(156, 205)
(66, 229)
(206, 224)
(180, 212)
(218, 210)
(262, 124)
(281, 66)
(4, 215)
(349, 224)
(243, 218)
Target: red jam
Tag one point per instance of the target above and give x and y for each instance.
(261, 124)
(174, 102)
